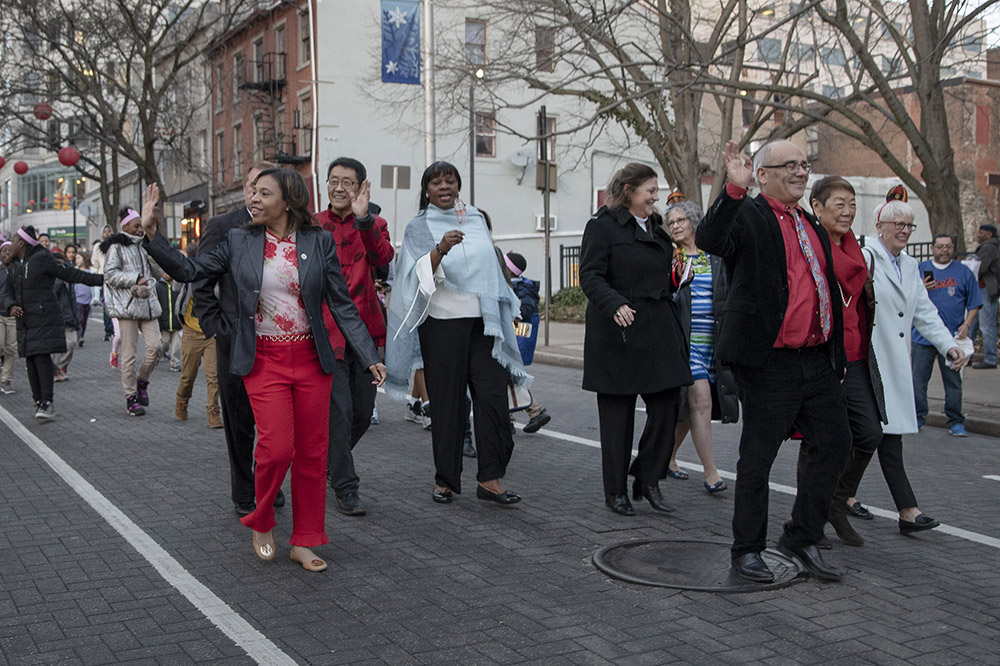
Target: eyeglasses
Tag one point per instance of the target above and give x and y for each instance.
(678, 220)
(791, 166)
(949, 246)
(901, 225)
(346, 183)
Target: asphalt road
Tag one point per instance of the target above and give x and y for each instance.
(119, 545)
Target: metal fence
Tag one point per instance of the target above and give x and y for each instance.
(569, 261)
(569, 266)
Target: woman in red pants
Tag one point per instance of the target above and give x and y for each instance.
(285, 268)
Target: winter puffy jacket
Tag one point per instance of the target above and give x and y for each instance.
(125, 263)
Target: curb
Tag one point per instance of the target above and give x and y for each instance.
(561, 360)
(972, 425)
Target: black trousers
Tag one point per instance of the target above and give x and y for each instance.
(457, 354)
(41, 375)
(617, 420)
(794, 388)
(890, 457)
(352, 399)
(238, 421)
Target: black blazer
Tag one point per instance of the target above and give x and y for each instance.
(621, 264)
(241, 255)
(216, 312)
(745, 233)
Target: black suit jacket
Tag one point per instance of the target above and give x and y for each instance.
(216, 312)
(241, 255)
(745, 233)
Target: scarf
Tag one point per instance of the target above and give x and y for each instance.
(849, 266)
(470, 267)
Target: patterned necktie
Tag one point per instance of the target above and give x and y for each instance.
(817, 275)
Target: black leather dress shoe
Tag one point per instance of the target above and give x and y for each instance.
(506, 497)
(651, 491)
(811, 559)
(279, 499)
(751, 566)
(244, 508)
(619, 504)
(350, 504)
(923, 522)
(859, 511)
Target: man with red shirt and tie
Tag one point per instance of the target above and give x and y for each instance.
(783, 335)
(362, 245)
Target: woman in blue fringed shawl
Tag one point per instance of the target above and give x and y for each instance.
(452, 314)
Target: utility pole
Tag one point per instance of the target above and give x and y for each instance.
(543, 145)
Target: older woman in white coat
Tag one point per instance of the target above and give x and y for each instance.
(902, 303)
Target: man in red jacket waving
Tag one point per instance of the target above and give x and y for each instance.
(362, 245)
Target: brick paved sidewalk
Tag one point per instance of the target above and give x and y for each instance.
(467, 583)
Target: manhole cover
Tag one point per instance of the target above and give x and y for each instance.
(688, 564)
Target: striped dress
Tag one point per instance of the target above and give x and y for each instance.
(702, 319)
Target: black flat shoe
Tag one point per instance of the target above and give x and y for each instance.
(651, 491)
(442, 496)
(811, 559)
(279, 499)
(752, 567)
(506, 497)
(619, 504)
(859, 511)
(923, 522)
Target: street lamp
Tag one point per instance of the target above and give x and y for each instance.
(76, 194)
(479, 74)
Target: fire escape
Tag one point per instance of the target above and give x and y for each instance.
(265, 82)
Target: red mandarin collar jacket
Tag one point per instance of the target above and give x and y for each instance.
(360, 249)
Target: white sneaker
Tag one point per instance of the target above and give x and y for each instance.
(6, 389)
(414, 413)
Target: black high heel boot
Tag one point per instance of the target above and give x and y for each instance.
(651, 491)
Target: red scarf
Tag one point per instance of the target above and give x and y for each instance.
(850, 268)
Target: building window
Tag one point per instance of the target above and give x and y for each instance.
(237, 152)
(258, 61)
(220, 151)
(486, 134)
(475, 42)
(746, 108)
(279, 49)
(545, 49)
(812, 144)
(305, 40)
(257, 152)
(305, 123)
(202, 149)
(237, 76)
(220, 90)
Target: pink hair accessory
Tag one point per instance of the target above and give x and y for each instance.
(4, 244)
(132, 215)
(27, 237)
(510, 265)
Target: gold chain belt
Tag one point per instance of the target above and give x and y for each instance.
(286, 338)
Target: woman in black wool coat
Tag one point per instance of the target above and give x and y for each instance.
(29, 296)
(634, 344)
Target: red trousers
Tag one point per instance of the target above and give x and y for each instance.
(290, 397)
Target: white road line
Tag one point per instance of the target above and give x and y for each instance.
(991, 477)
(256, 645)
(975, 537)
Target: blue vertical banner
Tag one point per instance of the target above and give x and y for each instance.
(401, 41)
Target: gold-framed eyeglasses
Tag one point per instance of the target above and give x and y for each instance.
(346, 183)
(791, 166)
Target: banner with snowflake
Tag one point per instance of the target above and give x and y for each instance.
(401, 41)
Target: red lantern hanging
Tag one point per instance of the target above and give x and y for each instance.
(20, 167)
(69, 156)
(31, 202)
(43, 111)
(45, 199)
(17, 203)
(4, 204)
(2, 162)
